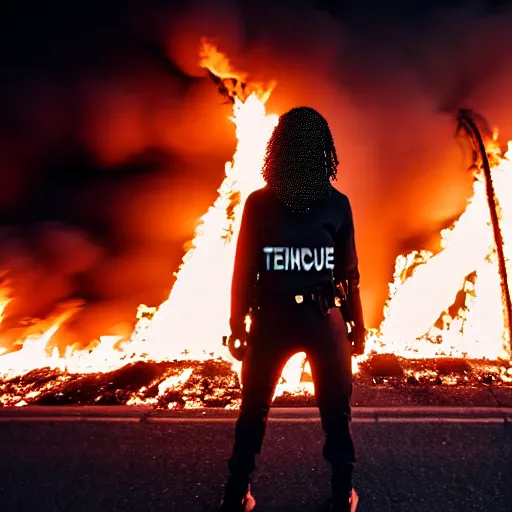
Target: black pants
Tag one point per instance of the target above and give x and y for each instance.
(277, 334)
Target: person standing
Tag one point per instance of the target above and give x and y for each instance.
(295, 251)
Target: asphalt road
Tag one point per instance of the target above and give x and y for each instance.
(180, 466)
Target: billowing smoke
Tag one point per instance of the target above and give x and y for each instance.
(113, 140)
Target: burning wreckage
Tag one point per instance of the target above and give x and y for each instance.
(457, 336)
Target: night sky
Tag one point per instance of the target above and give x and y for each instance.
(113, 140)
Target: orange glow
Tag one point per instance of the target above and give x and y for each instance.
(190, 324)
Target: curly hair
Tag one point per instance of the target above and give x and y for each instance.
(301, 160)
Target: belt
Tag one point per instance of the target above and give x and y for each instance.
(322, 296)
(312, 297)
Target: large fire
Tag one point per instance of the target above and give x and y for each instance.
(451, 303)
(447, 304)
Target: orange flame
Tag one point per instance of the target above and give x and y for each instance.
(420, 320)
(219, 65)
(417, 323)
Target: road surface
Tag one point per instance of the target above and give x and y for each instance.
(53, 463)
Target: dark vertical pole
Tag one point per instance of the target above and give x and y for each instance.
(467, 121)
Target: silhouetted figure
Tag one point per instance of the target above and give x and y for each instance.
(296, 242)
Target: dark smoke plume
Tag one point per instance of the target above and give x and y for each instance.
(113, 140)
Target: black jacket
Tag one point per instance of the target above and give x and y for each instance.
(279, 251)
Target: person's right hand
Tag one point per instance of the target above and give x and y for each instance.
(357, 337)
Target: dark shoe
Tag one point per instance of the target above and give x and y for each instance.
(232, 503)
(349, 506)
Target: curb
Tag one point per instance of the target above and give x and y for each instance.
(116, 414)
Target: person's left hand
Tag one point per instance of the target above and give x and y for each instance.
(237, 347)
(237, 341)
